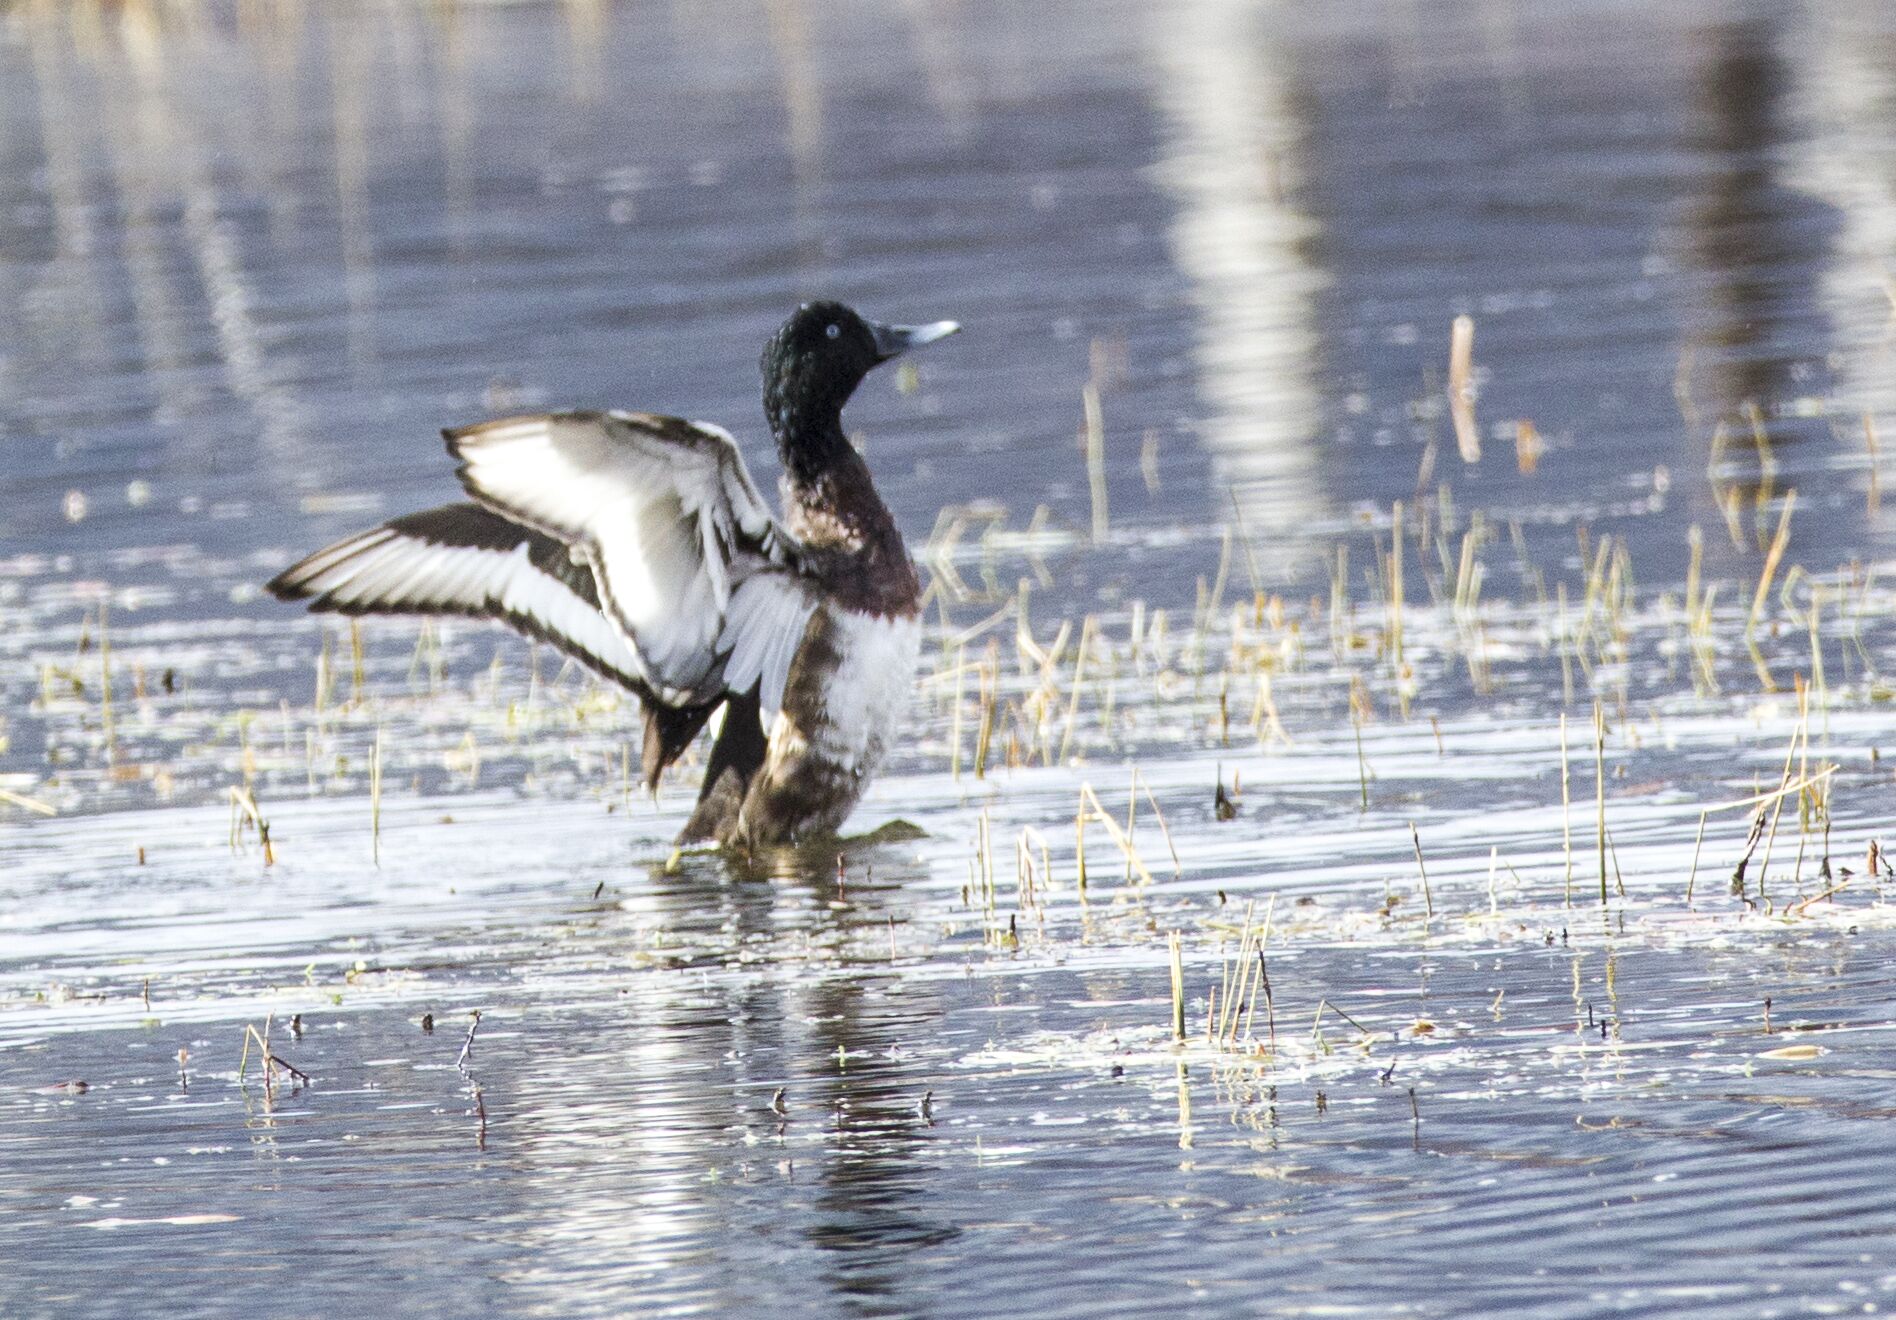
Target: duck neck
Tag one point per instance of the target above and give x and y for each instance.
(810, 440)
(829, 499)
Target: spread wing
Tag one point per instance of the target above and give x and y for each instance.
(463, 559)
(637, 544)
(690, 568)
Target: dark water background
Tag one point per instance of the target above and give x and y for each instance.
(254, 255)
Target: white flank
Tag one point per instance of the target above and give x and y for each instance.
(870, 692)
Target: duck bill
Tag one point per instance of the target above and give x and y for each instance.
(895, 340)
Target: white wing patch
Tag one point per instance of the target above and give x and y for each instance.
(385, 571)
(762, 632)
(663, 512)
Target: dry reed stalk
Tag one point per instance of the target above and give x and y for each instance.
(245, 811)
(1164, 830)
(1461, 388)
(1395, 588)
(1817, 777)
(1801, 732)
(28, 804)
(1697, 843)
(954, 736)
(1090, 803)
(1566, 811)
(1767, 458)
(1178, 989)
(1428, 899)
(1874, 496)
(1132, 814)
(1527, 447)
(1095, 458)
(105, 681)
(1263, 980)
(1087, 630)
(1230, 998)
(1771, 561)
(1599, 779)
(1079, 851)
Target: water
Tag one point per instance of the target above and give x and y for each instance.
(254, 257)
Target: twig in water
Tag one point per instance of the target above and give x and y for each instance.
(1178, 990)
(1831, 892)
(1428, 900)
(1165, 830)
(1599, 778)
(1696, 844)
(1362, 765)
(1323, 1004)
(1751, 846)
(245, 811)
(467, 1046)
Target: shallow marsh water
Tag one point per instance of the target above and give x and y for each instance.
(251, 258)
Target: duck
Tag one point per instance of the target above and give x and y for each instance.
(639, 545)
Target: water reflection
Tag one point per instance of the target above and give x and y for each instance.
(1754, 248)
(1847, 100)
(1233, 163)
(613, 1138)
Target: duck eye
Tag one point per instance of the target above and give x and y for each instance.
(832, 330)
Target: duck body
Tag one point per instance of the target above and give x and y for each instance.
(846, 692)
(638, 544)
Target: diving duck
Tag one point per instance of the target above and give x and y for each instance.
(639, 545)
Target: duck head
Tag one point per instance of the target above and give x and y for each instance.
(815, 362)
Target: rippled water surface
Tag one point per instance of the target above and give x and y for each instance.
(1498, 676)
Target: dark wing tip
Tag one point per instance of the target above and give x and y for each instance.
(289, 584)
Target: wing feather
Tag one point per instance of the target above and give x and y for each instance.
(768, 615)
(664, 513)
(463, 559)
(636, 543)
